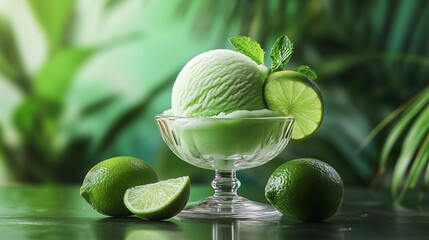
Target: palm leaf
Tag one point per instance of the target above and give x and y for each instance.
(53, 80)
(395, 113)
(412, 141)
(416, 108)
(98, 105)
(10, 61)
(425, 155)
(8, 51)
(6, 152)
(421, 160)
(398, 129)
(402, 23)
(55, 76)
(380, 127)
(53, 17)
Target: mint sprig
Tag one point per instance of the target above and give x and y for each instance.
(307, 71)
(249, 47)
(281, 53)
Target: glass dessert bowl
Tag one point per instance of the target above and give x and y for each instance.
(226, 145)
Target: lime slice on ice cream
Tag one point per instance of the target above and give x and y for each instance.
(295, 94)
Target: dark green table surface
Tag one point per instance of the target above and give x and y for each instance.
(58, 212)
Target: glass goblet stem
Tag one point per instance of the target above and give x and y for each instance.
(225, 185)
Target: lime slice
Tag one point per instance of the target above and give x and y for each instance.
(295, 94)
(159, 200)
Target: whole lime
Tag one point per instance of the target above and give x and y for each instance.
(305, 189)
(105, 184)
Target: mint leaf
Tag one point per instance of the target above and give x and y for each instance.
(307, 71)
(281, 53)
(249, 47)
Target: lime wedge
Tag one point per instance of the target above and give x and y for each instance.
(295, 94)
(159, 200)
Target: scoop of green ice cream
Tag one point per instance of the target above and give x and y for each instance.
(218, 81)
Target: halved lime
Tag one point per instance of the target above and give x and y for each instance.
(160, 200)
(295, 94)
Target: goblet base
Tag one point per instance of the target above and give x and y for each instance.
(235, 208)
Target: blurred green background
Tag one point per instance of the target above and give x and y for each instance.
(81, 81)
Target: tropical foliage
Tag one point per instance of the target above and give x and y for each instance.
(81, 81)
(412, 161)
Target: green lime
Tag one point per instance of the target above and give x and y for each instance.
(160, 200)
(105, 183)
(305, 189)
(295, 94)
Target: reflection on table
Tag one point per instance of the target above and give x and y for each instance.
(58, 212)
